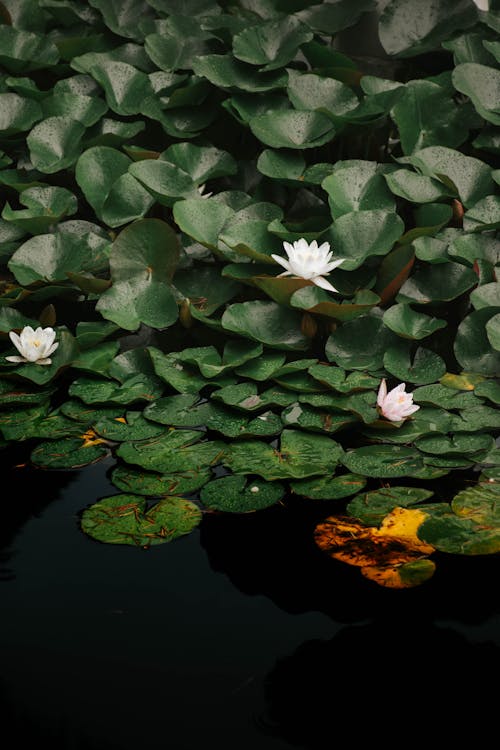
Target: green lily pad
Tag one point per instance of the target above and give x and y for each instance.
(361, 404)
(473, 347)
(271, 44)
(202, 219)
(174, 451)
(17, 113)
(293, 129)
(181, 410)
(263, 367)
(308, 91)
(300, 455)
(142, 261)
(232, 494)
(316, 300)
(132, 426)
(98, 359)
(141, 387)
(360, 344)
(316, 420)
(360, 234)
(442, 282)
(125, 519)
(470, 177)
(23, 51)
(383, 461)
(409, 323)
(481, 84)
(329, 487)
(266, 322)
(86, 109)
(486, 295)
(44, 208)
(146, 483)
(55, 143)
(407, 29)
(357, 185)
(68, 453)
(372, 507)
(446, 398)
(458, 444)
(489, 389)
(169, 368)
(225, 72)
(422, 366)
(416, 188)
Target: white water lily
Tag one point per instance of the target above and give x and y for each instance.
(397, 404)
(482, 4)
(34, 345)
(201, 191)
(308, 261)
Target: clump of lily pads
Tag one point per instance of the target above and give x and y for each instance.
(157, 164)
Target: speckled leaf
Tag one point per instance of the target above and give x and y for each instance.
(75, 246)
(232, 494)
(17, 113)
(44, 208)
(146, 483)
(55, 143)
(225, 72)
(437, 283)
(267, 323)
(421, 366)
(458, 444)
(481, 83)
(407, 28)
(316, 420)
(293, 129)
(300, 455)
(357, 185)
(360, 234)
(329, 487)
(360, 344)
(372, 507)
(410, 324)
(173, 452)
(132, 426)
(68, 453)
(125, 519)
(271, 44)
(142, 261)
(469, 176)
(140, 387)
(383, 461)
(473, 347)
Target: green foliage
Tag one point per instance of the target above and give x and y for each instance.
(152, 162)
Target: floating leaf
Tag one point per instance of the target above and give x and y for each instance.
(381, 553)
(132, 426)
(360, 234)
(293, 129)
(174, 451)
(300, 455)
(55, 143)
(271, 44)
(140, 387)
(473, 347)
(409, 323)
(267, 323)
(143, 259)
(372, 507)
(125, 519)
(17, 113)
(359, 344)
(356, 185)
(383, 461)
(481, 84)
(23, 51)
(329, 487)
(146, 483)
(437, 283)
(416, 188)
(45, 207)
(308, 91)
(421, 367)
(232, 494)
(227, 73)
(68, 453)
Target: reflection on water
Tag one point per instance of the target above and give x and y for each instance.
(241, 635)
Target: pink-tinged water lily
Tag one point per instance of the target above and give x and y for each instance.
(308, 261)
(397, 404)
(34, 345)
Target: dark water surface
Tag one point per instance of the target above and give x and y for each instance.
(241, 635)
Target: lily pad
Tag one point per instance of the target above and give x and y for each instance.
(266, 322)
(232, 494)
(125, 519)
(329, 487)
(147, 483)
(383, 461)
(69, 453)
(372, 507)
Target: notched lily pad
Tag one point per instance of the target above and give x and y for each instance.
(125, 519)
(232, 494)
(148, 483)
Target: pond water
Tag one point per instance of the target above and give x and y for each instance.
(241, 635)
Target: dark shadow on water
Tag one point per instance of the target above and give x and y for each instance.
(273, 553)
(371, 681)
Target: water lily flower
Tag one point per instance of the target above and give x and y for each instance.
(201, 191)
(397, 404)
(308, 261)
(34, 345)
(482, 4)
